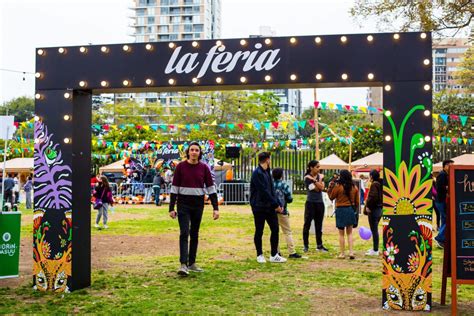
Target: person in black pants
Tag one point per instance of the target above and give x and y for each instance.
(373, 208)
(191, 182)
(314, 206)
(265, 207)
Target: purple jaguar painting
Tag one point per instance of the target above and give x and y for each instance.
(52, 232)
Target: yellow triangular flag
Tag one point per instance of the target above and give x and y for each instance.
(214, 123)
(146, 127)
(284, 124)
(180, 147)
(249, 125)
(435, 116)
(363, 109)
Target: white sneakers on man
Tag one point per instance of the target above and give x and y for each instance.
(371, 252)
(277, 259)
(261, 259)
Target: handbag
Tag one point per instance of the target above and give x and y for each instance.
(98, 203)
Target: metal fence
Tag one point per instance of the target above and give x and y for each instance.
(293, 163)
(239, 193)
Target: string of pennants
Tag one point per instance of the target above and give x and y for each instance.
(445, 118)
(137, 147)
(454, 140)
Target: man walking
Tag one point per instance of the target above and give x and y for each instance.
(442, 181)
(192, 180)
(265, 207)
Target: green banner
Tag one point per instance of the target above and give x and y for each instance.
(10, 224)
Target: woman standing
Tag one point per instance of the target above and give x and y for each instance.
(314, 206)
(104, 193)
(347, 204)
(373, 208)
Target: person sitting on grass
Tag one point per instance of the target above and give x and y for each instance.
(347, 204)
(284, 196)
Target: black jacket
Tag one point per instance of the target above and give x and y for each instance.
(262, 192)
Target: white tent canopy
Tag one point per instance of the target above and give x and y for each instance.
(333, 162)
(372, 161)
(113, 167)
(463, 160)
(18, 165)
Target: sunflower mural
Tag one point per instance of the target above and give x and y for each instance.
(407, 209)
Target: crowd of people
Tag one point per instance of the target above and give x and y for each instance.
(12, 189)
(269, 199)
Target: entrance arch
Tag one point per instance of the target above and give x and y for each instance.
(68, 76)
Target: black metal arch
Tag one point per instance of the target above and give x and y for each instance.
(68, 76)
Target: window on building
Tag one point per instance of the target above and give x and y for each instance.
(140, 30)
(164, 20)
(141, 21)
(165, 2)
(140, 38)
(198, 28)
(196, 9)
(164, 37)
(175, 11)
(141, 12)
(188, 28)
(197, 35)
(174, 2)
(457, 50)
(173, 37)
(187, 19)
(163, 29)
(440, 51)
(175, 19)
(151, 20)
(187, 36)
(440, 61)
(197, 19)
(175, 28)
(151, 11)
(149, 29)
(165, 10)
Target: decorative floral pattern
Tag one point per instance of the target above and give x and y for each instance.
(403, 194)
(407, 189)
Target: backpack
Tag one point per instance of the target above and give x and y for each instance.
(280, 197)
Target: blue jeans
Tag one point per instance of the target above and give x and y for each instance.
(157, 192)
(441, 206)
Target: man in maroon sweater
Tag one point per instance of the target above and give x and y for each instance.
(192, 180)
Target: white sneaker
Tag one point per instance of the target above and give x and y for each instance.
(105, 226)
(371, 252)
(277, 259)
(96, 226)
(261, 259)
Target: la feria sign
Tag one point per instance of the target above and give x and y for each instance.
(219, 60)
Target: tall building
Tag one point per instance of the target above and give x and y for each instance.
(447, 54)
(172, 20)
(290, 99)
(374, 97)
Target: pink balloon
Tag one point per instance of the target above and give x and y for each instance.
(365, 233)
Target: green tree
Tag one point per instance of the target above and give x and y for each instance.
(465, 73)
(420, 15)
(23, 108)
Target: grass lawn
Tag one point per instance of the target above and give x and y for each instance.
(134, 266)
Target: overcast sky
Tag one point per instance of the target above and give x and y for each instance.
(27, 24)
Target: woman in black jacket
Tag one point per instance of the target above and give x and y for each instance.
(373, 208)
